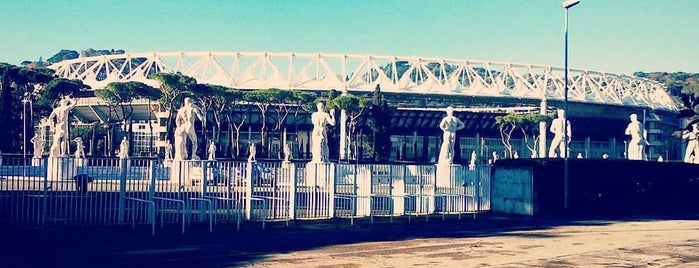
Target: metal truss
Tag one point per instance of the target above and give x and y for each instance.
(304, 71)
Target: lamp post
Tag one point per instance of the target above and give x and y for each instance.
(567, 4)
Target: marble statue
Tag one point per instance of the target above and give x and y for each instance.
(124, 148)
(559, 130)
(579, 156)
(449, 125)
(180, 143)
(515, 155)
(186, 116)
(253, 152)
(58, 120)
(319, 136)
(495, 156)
(168, 150)
(287, 151)
(79, 148)
(38, 142)
(691, 154)
(638, 138)
(211, 150)
(472, 163)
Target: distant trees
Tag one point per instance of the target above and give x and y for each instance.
(684, 87)
(35, 89)
(527, 124)
(379, 121)
(354, 106)
(120, 95)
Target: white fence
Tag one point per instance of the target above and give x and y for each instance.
(66, 191)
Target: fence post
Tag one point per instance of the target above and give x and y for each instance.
(151, 190)
(248, 190)
(431, 195)
(292, 190)
(122, 189)
(45, 200)
(204, 176)
(332, 173)
(477, 190)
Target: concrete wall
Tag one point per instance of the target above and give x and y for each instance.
(511, 190)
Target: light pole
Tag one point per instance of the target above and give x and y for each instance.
(567, 4)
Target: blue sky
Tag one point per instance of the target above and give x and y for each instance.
(620, 36)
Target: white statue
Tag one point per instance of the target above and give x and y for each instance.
(580, 156)
(449, 125)
(79, 148)
(319, 136)
(184, 120)
(211, 150)
(38, 142)
(638, 138)
(168, 150)
(58, 120)
(124, 149)
(691, 154)
(253, 152)
(472, 163)
(180, 143)
(558, 126)
(495, 156)
(287, 151)
(515, 155)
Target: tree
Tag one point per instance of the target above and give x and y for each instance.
(354, 106)
(690, 102)
(20, 86)
(62, 55)
(121, 95)
(527, 123)
(379, 121)
(172, 85)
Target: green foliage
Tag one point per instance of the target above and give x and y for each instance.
(684, 87)
(171, 86)
(62, 55)
(527, 123)
(379, 121)
(118, 92)
(54, 90)
(91, 52)
(350, 103)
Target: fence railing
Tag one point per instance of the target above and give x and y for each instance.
(102, 191)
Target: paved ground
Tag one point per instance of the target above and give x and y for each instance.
(489, 241)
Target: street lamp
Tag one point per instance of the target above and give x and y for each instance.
(567, 4)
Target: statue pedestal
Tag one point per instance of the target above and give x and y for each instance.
(80, 162)
(186, 172)
(446, 175)
(320, 174)
(178, 170)
(363, 182)
(60, 168)
(37, 161)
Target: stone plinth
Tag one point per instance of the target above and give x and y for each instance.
(320, 174)
(60, 168)
(446, 175)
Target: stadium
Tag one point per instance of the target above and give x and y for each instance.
(419, 88)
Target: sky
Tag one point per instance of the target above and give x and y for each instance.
(617, 36)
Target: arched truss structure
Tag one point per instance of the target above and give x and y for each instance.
(258, 70)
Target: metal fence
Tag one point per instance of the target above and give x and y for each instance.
(109, 191)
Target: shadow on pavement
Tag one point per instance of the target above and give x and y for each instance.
(124, 247)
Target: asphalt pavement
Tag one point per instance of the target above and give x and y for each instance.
(490, 240)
